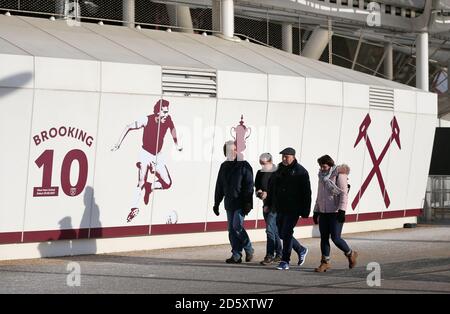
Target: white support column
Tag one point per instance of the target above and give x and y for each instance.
(65, 9)
(128, 10)
(330, 42)
(300, 38)
(389, 62)
(59, 7)
(287, 37)
(216, 15)
(393, 10)
(227, 18)
(361, 4)
(422, 61)
(180, 16)
(316, 44)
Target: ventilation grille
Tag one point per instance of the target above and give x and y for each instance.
(189, 82)
(381, 98)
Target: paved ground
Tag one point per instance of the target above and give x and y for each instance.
(411, 260)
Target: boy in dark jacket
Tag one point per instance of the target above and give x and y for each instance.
(290, 195)
(273, 247)
(235, 184)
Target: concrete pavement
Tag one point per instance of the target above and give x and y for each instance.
(411, 261)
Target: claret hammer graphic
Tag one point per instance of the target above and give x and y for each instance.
(395, 136)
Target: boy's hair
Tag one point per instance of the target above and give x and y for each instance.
(326, 160)
(265, 157)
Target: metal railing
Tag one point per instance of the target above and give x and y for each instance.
(437, 198)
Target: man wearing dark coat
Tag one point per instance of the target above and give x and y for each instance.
(235, 185)
(290, 196)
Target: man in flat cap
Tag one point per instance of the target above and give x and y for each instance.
(290, 195)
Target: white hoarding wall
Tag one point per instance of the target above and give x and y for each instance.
(116, 177)
(185, 166)
(61, 162)
(81, 159)
(374, 142)
(354, 157)
(243, 121)
(15, 123)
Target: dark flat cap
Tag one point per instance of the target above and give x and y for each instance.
(288, 151)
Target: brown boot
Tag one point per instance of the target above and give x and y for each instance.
(352, 259)
(324, 266)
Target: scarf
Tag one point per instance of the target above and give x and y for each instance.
(272, 168)
(329, 184)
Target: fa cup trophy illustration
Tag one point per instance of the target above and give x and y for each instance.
(240, 136)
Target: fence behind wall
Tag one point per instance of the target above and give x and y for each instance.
(437, 199)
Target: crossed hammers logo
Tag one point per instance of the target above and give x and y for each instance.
(376, 161)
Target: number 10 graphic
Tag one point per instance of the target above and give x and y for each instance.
(45, 161)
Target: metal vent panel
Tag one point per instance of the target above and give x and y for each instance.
(381, 98)
(189, 82)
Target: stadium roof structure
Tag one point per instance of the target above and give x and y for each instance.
(38, 37)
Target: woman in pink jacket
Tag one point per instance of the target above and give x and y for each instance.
(329, 211)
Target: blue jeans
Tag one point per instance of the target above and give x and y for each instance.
(237, 235)
(273, 238)
(286, 223)
(329, 226)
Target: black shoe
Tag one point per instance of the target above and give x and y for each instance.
(248, 257)
(231, 260)
(267, 260)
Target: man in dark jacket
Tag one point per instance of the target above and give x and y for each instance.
(235, 184)
(290, 195)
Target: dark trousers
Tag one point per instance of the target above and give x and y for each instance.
(237, 234)
(329, 226)
(273, 239)
(286, 223)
